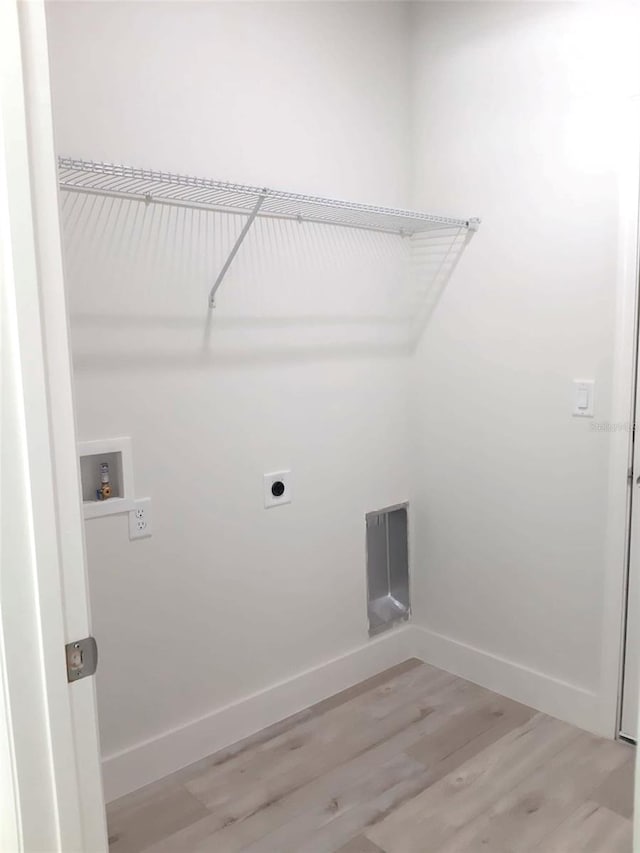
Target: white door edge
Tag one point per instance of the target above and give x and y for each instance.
(626, 721)
(48, 728)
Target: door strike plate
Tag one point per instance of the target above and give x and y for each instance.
(82, 658)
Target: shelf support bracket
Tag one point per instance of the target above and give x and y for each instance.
(234, 251)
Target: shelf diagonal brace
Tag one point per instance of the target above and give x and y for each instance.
(234, 251)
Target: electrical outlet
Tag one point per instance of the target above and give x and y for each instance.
(277, 488)
(140, 519)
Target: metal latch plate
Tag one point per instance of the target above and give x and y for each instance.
(82, 658)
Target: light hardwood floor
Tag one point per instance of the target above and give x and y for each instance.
(412, 761)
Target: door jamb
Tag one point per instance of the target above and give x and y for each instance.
(621, 434)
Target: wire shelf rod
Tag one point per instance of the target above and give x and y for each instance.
(234, 211)
(228, 203)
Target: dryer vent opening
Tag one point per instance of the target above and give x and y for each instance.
(387, 568)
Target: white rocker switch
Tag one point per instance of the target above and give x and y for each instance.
(583, 398)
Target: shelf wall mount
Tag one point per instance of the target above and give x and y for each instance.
(169, 188)
(234, 250)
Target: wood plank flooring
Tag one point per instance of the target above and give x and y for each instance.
(412, 761)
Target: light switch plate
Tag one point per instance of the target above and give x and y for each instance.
(583, 390)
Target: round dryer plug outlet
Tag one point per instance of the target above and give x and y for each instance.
(277, 489)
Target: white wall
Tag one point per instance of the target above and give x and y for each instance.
(518, 111)
(463, 108)
(296, 372)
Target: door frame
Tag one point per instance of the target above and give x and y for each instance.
(50, 780)
(624, 394)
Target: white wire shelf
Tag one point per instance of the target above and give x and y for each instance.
(150, 186)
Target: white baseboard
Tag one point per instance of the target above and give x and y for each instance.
(150, 760)
(552, 696)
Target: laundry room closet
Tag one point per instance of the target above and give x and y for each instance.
(333, 271)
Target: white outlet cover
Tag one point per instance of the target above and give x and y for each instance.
(140, 519)
(277, 489)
